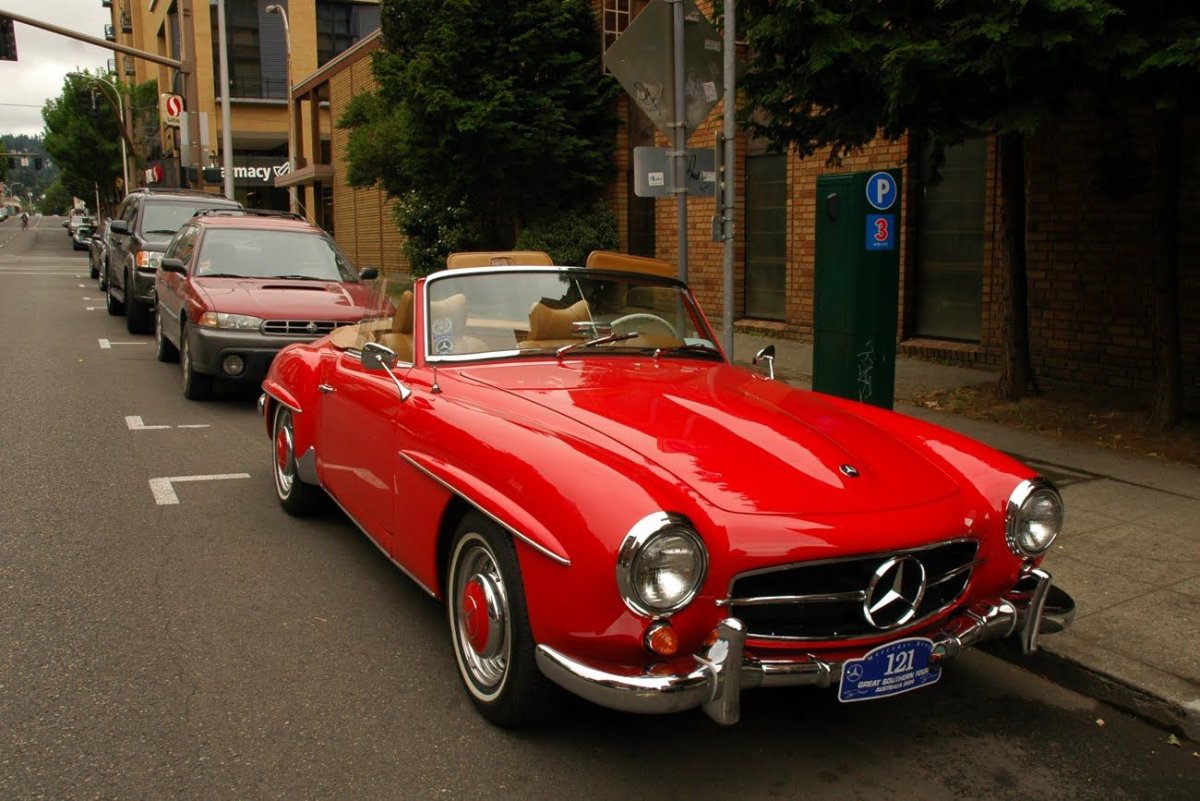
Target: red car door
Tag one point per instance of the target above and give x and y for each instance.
(356, 442)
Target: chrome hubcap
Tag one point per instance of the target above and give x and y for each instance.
(481, 616)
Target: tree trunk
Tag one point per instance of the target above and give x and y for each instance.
(1016, 369)
(1167, 400)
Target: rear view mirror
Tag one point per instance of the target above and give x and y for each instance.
(767, 355)
(368, 273)
(118, 227)
(377, 357)
(173, 266)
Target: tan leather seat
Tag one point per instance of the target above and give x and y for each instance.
(553, 328)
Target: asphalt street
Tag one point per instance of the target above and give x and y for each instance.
(217, 648)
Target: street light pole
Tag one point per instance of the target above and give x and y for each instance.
(226, 105)
(124, 132)
(293, 205)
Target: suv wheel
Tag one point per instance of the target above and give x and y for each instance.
(137, 314)
(114, 306)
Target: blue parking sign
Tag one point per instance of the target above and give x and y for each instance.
(881, 191)
(881, 232)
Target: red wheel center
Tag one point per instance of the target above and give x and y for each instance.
(281, 450)
(474, 615)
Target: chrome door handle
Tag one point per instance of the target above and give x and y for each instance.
(325, 388)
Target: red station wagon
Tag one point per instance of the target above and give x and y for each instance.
(235, 286)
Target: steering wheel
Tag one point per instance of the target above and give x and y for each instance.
(630, 322)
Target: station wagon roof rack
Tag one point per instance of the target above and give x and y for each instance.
(235, 212)
(166, 190)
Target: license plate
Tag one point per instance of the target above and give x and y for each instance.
(890, 669)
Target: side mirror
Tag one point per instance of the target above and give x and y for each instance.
(118, 227)
(368, 273)
(173, 266)
(767, 355)
(376, 357)
(66, 223)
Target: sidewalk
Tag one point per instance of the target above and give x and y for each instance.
(1129, 553)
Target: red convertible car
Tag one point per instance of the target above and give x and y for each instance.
(567, 459)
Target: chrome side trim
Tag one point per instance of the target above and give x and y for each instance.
(371, 540)
(293, 407)
(519, 535)
(723, 669)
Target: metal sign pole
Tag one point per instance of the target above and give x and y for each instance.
(728, 198)
(679, 124)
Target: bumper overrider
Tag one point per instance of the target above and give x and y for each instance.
(1033, 607)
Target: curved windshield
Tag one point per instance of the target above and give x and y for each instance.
(560, 312)
(260, 253)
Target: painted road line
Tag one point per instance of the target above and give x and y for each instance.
(135, 423)
(107, 344)
(164, 492)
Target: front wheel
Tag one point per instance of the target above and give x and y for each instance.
(489, 627)
(164, 351)
(295, 496)
(196, 386)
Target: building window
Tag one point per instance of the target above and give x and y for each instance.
(766, 235)
(950, 240)
(341, 24)
(257, 48)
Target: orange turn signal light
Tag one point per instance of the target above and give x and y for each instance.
(661, 639)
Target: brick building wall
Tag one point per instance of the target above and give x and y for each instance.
(364, 221)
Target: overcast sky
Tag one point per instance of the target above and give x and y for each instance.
(46, 57)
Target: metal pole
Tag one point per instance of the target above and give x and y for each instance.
(103, 43)
(226, 124)
(679, 125)
(729, 200)
(293, 201)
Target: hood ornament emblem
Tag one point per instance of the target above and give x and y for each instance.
(849, 470)
(311, 328)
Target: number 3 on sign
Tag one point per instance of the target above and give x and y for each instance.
(881, 229)
(900, 662)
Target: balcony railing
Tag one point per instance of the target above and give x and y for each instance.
(106, 3)
(256, 88)
(110, 33)
(126, 22)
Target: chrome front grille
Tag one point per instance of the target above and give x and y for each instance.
(298, 328)
(825, 600)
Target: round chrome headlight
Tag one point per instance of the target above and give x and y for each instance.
(1034, 517)
(661, 564)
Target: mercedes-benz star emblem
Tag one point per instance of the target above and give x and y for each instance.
(894, 593)
(849, 470)
(311, 328)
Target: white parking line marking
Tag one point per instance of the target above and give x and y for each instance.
(164, 493)
(82, 286)
(135, 423)
(91, 308)
(107, 344)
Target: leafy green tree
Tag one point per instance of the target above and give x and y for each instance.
(83, 133)
(57, 199)
(837, 74)
(490, 114)
(84, 138)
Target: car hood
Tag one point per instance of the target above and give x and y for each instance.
(743, 443)
(284, 299)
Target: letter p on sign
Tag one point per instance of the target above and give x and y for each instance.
(881, 191)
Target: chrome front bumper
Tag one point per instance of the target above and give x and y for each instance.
(1035, 606)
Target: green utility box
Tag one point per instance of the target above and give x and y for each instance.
(857, 286)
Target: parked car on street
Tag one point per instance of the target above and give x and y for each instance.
(137, 237)
(73, 221)
(236, 286)
(82, 237)
(568, 460)
(98, 249)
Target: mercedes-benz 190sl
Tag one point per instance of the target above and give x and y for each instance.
(567, 458)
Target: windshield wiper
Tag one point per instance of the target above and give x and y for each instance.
(168, 231)
(302, 277)
(690, 347)
(613, 337)
(219, 275)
